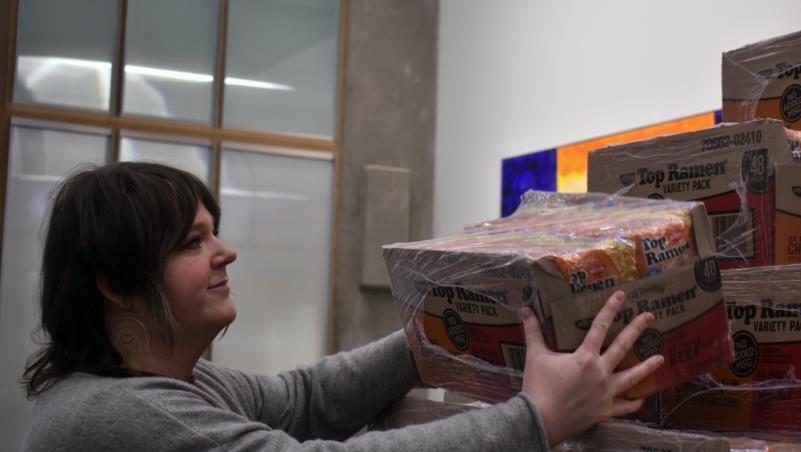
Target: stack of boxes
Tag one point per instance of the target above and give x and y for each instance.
(747, 171)
(731, 352)
(762, 81)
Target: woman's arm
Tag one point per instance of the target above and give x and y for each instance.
(336, 397)
(510, 426)
(157, 414)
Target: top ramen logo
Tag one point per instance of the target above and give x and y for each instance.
(675, 172)
(579, 283)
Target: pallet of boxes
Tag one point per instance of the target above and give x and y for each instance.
(748, 175)
(676, 210)
(563, 255)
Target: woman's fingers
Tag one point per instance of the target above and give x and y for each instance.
(602, 322)
(626, 339)
(531, 326)
(626, 379)
(622, 407)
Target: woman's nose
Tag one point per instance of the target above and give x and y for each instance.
(225, 254)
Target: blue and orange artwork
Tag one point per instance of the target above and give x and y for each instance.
(564, 169)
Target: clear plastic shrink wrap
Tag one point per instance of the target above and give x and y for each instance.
(620, 436)
(610, 436)
(563, 255)
(760, 390)
(747, 175)
(761, 80)
(412, 411)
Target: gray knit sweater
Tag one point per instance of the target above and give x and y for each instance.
(316, 408)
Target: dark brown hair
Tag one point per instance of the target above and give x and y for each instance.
(120, 222)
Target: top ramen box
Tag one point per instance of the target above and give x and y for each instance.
(759, 391)
(761, 80)
(730, 167)
(616, 436)
(563, 255)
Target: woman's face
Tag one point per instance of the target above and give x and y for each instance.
(196, 283)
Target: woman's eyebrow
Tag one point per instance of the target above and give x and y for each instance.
(200, 225)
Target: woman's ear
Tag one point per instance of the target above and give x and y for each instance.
(109, 294)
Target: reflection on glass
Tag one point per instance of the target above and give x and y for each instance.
(64, 53)
(281, 66)
(277, 216)
(193, 158)
(170, 56)
(38, 159)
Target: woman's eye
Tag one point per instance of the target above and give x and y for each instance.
(192, 244)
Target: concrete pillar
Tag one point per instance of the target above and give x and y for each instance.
(389, 114)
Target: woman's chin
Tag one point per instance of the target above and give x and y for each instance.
(224, 312)
(224, 318)
(230, 318)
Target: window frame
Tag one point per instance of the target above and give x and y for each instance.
(119, 124)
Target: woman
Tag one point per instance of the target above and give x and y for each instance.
(134, 288)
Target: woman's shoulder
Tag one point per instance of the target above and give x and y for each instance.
(80, 389)
(84, 405)
(89, 388)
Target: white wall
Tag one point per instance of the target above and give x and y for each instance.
(524, 75)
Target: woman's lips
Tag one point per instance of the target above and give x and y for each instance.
(222, 283)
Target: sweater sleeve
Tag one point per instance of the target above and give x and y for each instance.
(320, 405)
(221, 413)
(191, 425)
(337, 396)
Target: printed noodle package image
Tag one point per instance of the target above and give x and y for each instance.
(760, 390)
(747, 176)
(563, 255)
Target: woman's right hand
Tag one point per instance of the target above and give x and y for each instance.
(574, 391)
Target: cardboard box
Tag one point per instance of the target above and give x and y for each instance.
(730, 167)
(788, 214)
(761, 80)
(564, 255)
(615, 436)
(611, 436)
(758, 391)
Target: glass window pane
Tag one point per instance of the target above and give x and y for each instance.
(281, 66)
(170, 54)
(38, 159)
(65, 52)
(193, 158)
(277, 216)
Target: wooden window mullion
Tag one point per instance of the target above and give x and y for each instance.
(118, 79)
